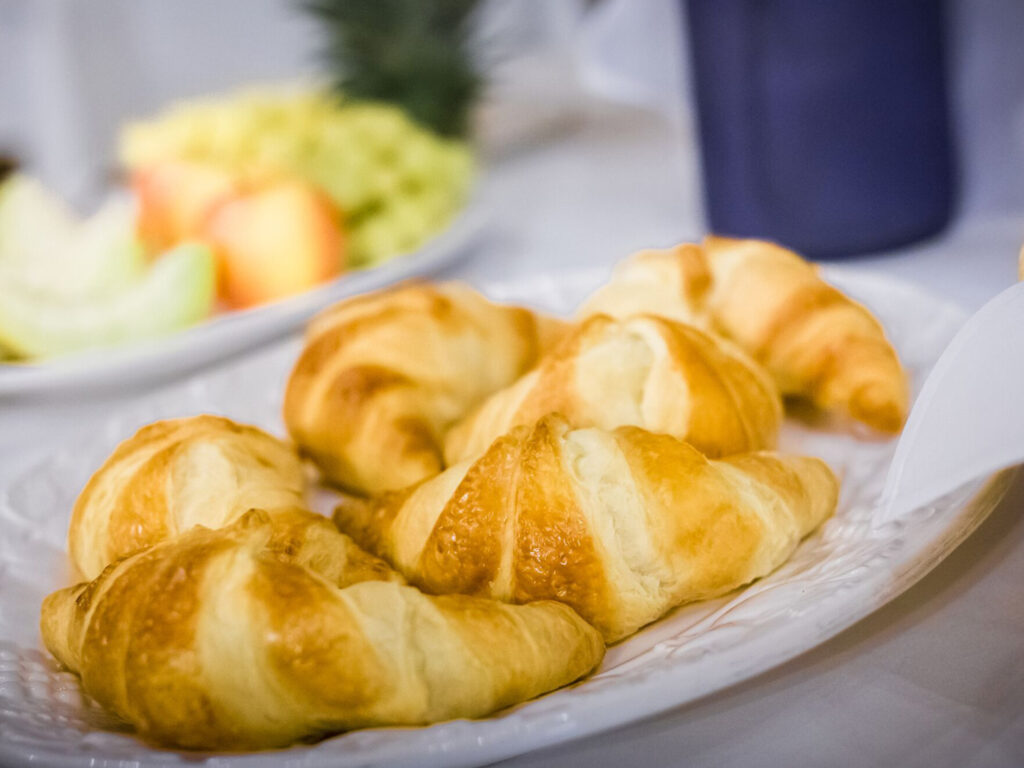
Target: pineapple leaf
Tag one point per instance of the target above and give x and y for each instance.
(413, 53)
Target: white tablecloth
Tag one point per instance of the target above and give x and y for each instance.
(934, 679)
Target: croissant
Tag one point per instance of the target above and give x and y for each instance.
(383, 376)
(645, 371)
(816, 342)
(673, 283)
(251, 648)
(621, 525)
(175, 474)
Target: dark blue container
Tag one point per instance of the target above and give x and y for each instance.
(824, 124)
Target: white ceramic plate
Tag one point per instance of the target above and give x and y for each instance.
(234, 332)
(840, 574)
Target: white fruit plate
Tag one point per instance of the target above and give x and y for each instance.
(234, 332)
(852, 566)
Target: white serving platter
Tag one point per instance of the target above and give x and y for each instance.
(849, 568)
(232, 333)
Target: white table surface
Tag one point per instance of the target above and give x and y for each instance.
(936, 678)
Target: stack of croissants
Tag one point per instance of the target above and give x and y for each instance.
(518, 491)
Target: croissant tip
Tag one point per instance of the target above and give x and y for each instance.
(879, 407)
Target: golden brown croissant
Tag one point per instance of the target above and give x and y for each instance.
(173, 475)
(249, 646)
(643, 371)
(621, 525)
(673, 283)
(383, 376)
(816, 342)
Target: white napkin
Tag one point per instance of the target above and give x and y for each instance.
(968, 421)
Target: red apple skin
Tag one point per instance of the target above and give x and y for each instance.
(175, 198)
(274, 241)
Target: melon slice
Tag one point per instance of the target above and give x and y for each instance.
(33, 221)
(100, 257)
(176, 292)
(45, 248)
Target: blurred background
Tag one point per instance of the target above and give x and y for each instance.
(864, 129)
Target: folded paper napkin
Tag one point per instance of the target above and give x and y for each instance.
(968, 421)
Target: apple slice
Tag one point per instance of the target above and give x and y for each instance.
(175, 198)
(177, 291)
(273, 242)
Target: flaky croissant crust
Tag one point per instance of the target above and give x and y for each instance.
(644, 371)
(382, 376)
(249, 637)
(174, 474)
(816, 342)
(621, 525)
